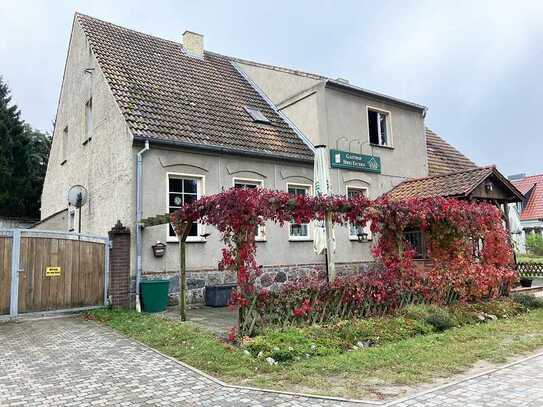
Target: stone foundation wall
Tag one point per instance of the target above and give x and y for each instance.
(272, 277)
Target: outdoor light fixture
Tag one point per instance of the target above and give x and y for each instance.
(361, 234)
(159, 249)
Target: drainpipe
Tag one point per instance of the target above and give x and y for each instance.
(139, 174)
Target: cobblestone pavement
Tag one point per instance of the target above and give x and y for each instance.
(68, 361)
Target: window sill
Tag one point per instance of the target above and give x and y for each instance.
(355, 239)
(300, 239)
(380, 146)
(193, 240)
(261, 240)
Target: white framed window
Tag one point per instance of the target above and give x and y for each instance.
(354, 230)
(88, 121)
(299, 231)
(379, 127)
(248, 183)
(181, 189)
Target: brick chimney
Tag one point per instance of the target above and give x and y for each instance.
(193, 43)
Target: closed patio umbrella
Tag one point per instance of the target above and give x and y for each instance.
(323, 232)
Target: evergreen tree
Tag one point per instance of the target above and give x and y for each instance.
(23, 161)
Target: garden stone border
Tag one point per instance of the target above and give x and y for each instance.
(391, 402)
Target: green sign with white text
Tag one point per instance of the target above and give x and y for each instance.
(354, 161)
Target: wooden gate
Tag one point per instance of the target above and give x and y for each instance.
(46, 271)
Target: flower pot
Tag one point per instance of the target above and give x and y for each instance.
(525, 282)
(218, 295)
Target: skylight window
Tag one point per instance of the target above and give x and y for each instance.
(256, 115)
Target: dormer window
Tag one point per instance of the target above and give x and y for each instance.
(379, 127)
(256, 115)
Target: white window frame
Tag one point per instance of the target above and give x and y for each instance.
(199, 193)
(390, 138)
(307, 238)
(261, 230)
(367, 228)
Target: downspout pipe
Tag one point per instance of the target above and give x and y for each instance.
(139, 226)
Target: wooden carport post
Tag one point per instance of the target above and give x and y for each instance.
(182, 234)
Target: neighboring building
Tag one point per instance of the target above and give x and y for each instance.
(215, 122)
(531, 210)
(16, 223)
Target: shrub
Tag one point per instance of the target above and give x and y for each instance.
(440, 319)
(289, 344)
(534, 244)
(441, 322)
(528, 301)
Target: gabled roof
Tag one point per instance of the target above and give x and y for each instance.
(532, 187)
(170, 97)
(459, 184)
(444, 158)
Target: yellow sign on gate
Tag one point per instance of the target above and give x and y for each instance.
(52, 271)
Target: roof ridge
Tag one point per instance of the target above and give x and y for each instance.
(237, 59)
(448, 174)
(78, 14)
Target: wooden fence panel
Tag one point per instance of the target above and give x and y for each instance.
(530, 269)
(81, 279)
(5, 273)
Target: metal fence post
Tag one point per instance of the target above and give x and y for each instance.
(15, 269)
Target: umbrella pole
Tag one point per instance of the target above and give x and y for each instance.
(330, 264)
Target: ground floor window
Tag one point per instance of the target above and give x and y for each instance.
(183, 189)
(355, 231)
(251, 184)
(416, 239)
(299, 231)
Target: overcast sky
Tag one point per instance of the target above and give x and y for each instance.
(477, 65)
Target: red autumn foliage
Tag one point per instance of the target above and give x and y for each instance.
(453, 229)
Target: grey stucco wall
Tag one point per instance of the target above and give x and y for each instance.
(219, 171)
(105, 164)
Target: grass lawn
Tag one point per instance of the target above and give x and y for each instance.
(359, 373)
(529, 258)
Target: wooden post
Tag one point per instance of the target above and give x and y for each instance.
(182, 235)
(182, 281)
(329, 248)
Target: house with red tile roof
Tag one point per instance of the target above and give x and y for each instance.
(531, 210)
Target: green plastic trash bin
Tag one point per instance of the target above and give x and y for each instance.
(154, 294)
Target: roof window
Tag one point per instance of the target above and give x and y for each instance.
(256, 114)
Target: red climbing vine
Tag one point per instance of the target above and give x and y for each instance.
(467, 244)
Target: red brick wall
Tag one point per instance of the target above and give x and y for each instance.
(119, 267)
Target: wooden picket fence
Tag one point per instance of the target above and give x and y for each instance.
(332, 308)
(533, 270)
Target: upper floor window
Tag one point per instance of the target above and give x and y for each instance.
(251, 184)
(88, 121)
(298, 231)
(379, 127)
(354, 231)
(183, 189)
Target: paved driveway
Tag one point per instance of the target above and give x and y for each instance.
(69, 361)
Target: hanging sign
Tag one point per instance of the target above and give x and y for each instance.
(52, 271)
(355, 162)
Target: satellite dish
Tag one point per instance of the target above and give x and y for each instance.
(77, 196)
